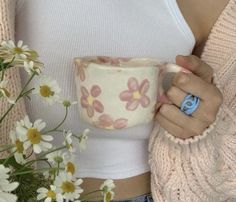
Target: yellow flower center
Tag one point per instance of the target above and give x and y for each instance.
(34, 135)
(18, 50)
(19, 146)
(136, 95)
(90, 100)
(68, 187)
(70, 168)
(45, 91)
(51, 194)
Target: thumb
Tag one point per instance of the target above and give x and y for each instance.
(196, 66)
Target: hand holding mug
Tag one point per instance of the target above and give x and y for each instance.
(198, 84)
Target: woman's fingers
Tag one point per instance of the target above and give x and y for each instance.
(177, 117)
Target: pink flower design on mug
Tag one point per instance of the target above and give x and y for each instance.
(106, 121)
(89, 101)
(80, 70)
(136, 94)
(111, 60)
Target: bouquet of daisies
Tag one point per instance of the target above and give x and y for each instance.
(31, 141)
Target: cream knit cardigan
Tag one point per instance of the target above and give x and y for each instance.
(202, 169)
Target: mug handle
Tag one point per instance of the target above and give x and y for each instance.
(166, 68)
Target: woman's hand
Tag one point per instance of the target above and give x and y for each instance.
(199, 84)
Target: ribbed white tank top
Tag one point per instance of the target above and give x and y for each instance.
(61, 30)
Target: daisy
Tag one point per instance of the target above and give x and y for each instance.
(68, 103)
(70, 189)
(48, 89)
(68, 161)
(18, 148)
(68, 140)
(31, 135)
(55, 157)
(82, 140)
(19, 51)
(49, 195)
(106, 189)
(5, 93)
(6, 186)
(30, 68)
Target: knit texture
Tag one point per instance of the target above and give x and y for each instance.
(7, 13)
(203, 168)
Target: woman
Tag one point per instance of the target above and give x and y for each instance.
(61, 31)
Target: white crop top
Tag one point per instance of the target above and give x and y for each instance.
(61, 30)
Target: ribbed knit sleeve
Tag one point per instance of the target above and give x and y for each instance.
(7, 17)
(203, 168)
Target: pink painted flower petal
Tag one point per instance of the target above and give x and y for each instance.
(120, 123)
(98, 106)
(82, 74)
(95, 91)
(115, 61)
(84, 92)
(126, 95)
(105, 120)
(103, 59)
(132, 105)
(133, 84)
(145, 101)
(125, 59)
(90, 111)
(84, 102)
(144, 87)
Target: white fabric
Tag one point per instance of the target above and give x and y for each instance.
(61, 30)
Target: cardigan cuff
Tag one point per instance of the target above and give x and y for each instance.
(196, 138)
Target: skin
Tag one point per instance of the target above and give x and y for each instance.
(199, 82)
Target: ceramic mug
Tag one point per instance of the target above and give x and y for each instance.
(116, 93)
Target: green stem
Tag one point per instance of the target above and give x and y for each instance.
(2, 77)
(34, 171)
(7, 159)
(59, 148)
(19, 96)
(54, 129)
(3, 70)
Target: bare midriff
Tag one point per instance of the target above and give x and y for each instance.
(125, 188)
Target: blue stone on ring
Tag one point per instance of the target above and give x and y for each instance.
(190, 104)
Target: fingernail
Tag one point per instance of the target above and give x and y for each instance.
(181, 78)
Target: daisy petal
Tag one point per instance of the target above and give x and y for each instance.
(47, 137)
(42, 190)
(37, 148)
